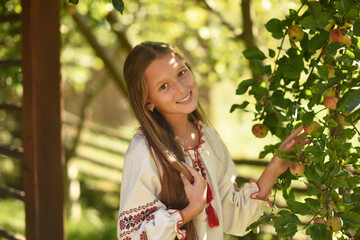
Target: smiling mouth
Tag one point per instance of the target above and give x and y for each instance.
(185, 99)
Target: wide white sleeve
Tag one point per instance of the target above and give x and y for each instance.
(141, 214)
(240, 206)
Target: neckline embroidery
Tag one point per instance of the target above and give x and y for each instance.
(201, 140)
(212, 217)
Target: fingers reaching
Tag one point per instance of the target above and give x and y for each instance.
(296, 132)
(294, 138)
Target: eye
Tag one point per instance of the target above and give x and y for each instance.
(181, 73)
(162, 87)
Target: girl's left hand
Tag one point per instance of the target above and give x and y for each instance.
(289, 145)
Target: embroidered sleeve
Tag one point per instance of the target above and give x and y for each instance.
(240, 206)
(141, 215)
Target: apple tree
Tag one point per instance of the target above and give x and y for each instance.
(312, 79)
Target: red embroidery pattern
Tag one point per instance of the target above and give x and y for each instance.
(177, 224)
(236, 188)
(130, 221)
(212, 218)
(143, 236)
(254, 198)
(201, 141)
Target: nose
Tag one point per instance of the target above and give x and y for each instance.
(181, 86)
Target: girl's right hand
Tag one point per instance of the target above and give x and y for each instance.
(196, 192)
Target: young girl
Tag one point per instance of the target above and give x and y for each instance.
(178, 177)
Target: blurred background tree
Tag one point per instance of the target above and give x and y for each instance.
(98, 122)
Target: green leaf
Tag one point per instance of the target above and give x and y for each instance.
(332, 123)
(341, 8)
(293, 67)
(357, 27)
(244, 85)
(279, 100)
(271, 53)
(346, 4)
(258, 68)
(352, 14)
(307, 118)
(333, 47)
(74, 1)
(288, 194)
(119, 5)
(288, 218)
(277, 35)
(312, 174)
(314, 24)
(259, 90)
(316, 9)
(254, 53)
(286, 224)
(285, 155)
(317, 231)
(274, 25)
(237, 106)
(341, 182)
(344, 207)
(348, 133)
(349, 101)
(350, 217)
(314, 203)
(318, 40)
(298, 207)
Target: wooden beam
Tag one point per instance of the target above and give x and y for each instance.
(11, 151)
(42, 108)
(10, 63)
(9, 235)
(10, 18)
(11, 107)
(12, 192)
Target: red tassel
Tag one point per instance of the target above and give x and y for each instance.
(213, 220)
(209, 195)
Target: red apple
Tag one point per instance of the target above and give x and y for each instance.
(295, 32)
(313, 127)
(330, 102)
(297, 169)
(71, 9)
(337, 35)
(260, 130)
(319, 220)
(334, 224)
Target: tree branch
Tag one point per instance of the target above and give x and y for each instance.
(82, 115)
(102, 52)
(123, 40)
(222, 19)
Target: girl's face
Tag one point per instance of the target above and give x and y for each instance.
(171, 86)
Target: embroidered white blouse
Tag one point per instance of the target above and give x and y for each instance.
(143, 216)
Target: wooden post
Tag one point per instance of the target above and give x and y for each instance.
(42, 107)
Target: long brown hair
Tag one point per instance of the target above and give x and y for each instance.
(161, 139)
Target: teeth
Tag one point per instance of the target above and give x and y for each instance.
(185, 99)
